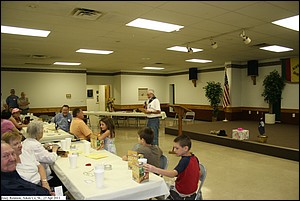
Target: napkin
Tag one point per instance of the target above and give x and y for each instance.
(96, 155)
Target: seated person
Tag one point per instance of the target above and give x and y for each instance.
(11, 182)
(32, 145)
(27, 165)
(187, 171)
(6, 124)
(63, 119)
(108, 134)
(78, 126)
(15, 118)
(151, 152)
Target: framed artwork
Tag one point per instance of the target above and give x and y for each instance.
(68, 96)
(142, 94)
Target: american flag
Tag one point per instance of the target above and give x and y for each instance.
(226, 97)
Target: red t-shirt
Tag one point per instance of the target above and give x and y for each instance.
(188, 175)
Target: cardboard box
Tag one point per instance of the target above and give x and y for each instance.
(95, 143)
(138, 173)
(132, 156)
(240, 134)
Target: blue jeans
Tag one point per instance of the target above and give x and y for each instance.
(154, 124)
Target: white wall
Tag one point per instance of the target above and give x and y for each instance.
(49, 89)
(131, 83)
(46, 89)
(117, 89)
(99, 80)
(186, 93)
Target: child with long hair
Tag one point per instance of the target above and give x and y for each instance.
(107, 134)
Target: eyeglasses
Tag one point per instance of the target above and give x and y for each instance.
(7, 155)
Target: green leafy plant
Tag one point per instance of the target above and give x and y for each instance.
(273, 85)
(213, 92)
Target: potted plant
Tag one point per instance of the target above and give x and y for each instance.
(213, 92)
(273, 85)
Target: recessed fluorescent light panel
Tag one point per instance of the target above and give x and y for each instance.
(154, 25)
(290, 23)
(24, 31)
(66, 63)
(183, 49)
(199, 60)
(276, 48)
(89, 51)
(153, 68)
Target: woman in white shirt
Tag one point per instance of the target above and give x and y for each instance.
(32, 145)
(27, 165)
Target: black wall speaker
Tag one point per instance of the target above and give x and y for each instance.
(252, 67)
(193, 74)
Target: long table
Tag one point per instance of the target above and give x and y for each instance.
(127, 114)
(50, 134)
(118, 182)
(121, 114)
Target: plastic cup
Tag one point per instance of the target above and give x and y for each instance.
(73, 160)
(99, 177)
(68, 143)
(87, 147)
(99, 167)
(63, 145)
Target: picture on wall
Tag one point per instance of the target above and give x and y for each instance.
(68, 96)
(90, 93)
(142, 94)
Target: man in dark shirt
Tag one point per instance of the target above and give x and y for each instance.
(11, 182)
(12, 100)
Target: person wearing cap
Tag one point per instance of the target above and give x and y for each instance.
(15, 118)
(23, 103)
(12, 99)
(152, 109)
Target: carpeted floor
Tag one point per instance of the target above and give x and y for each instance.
(284, 135)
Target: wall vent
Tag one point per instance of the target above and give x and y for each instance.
(86, 14)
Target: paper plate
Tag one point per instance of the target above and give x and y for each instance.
(96, 156)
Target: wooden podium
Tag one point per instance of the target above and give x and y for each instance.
(180, 110)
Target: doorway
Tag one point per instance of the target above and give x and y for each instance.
(97, 96)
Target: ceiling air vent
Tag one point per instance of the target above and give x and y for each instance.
(38, 56)
(261, 45)
(86, 14)
(38, 64)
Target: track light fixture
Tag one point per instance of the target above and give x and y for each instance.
(189, 49)
(214, 44)
(245, 38)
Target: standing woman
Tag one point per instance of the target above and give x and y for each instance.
(23, 103)
(153, 111)
(108, 134)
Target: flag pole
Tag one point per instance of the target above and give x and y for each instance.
(226, 96)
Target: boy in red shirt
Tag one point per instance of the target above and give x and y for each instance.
(187, 171)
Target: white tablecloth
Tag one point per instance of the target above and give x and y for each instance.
(121, 113)
(118, 182)
(50, 134)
